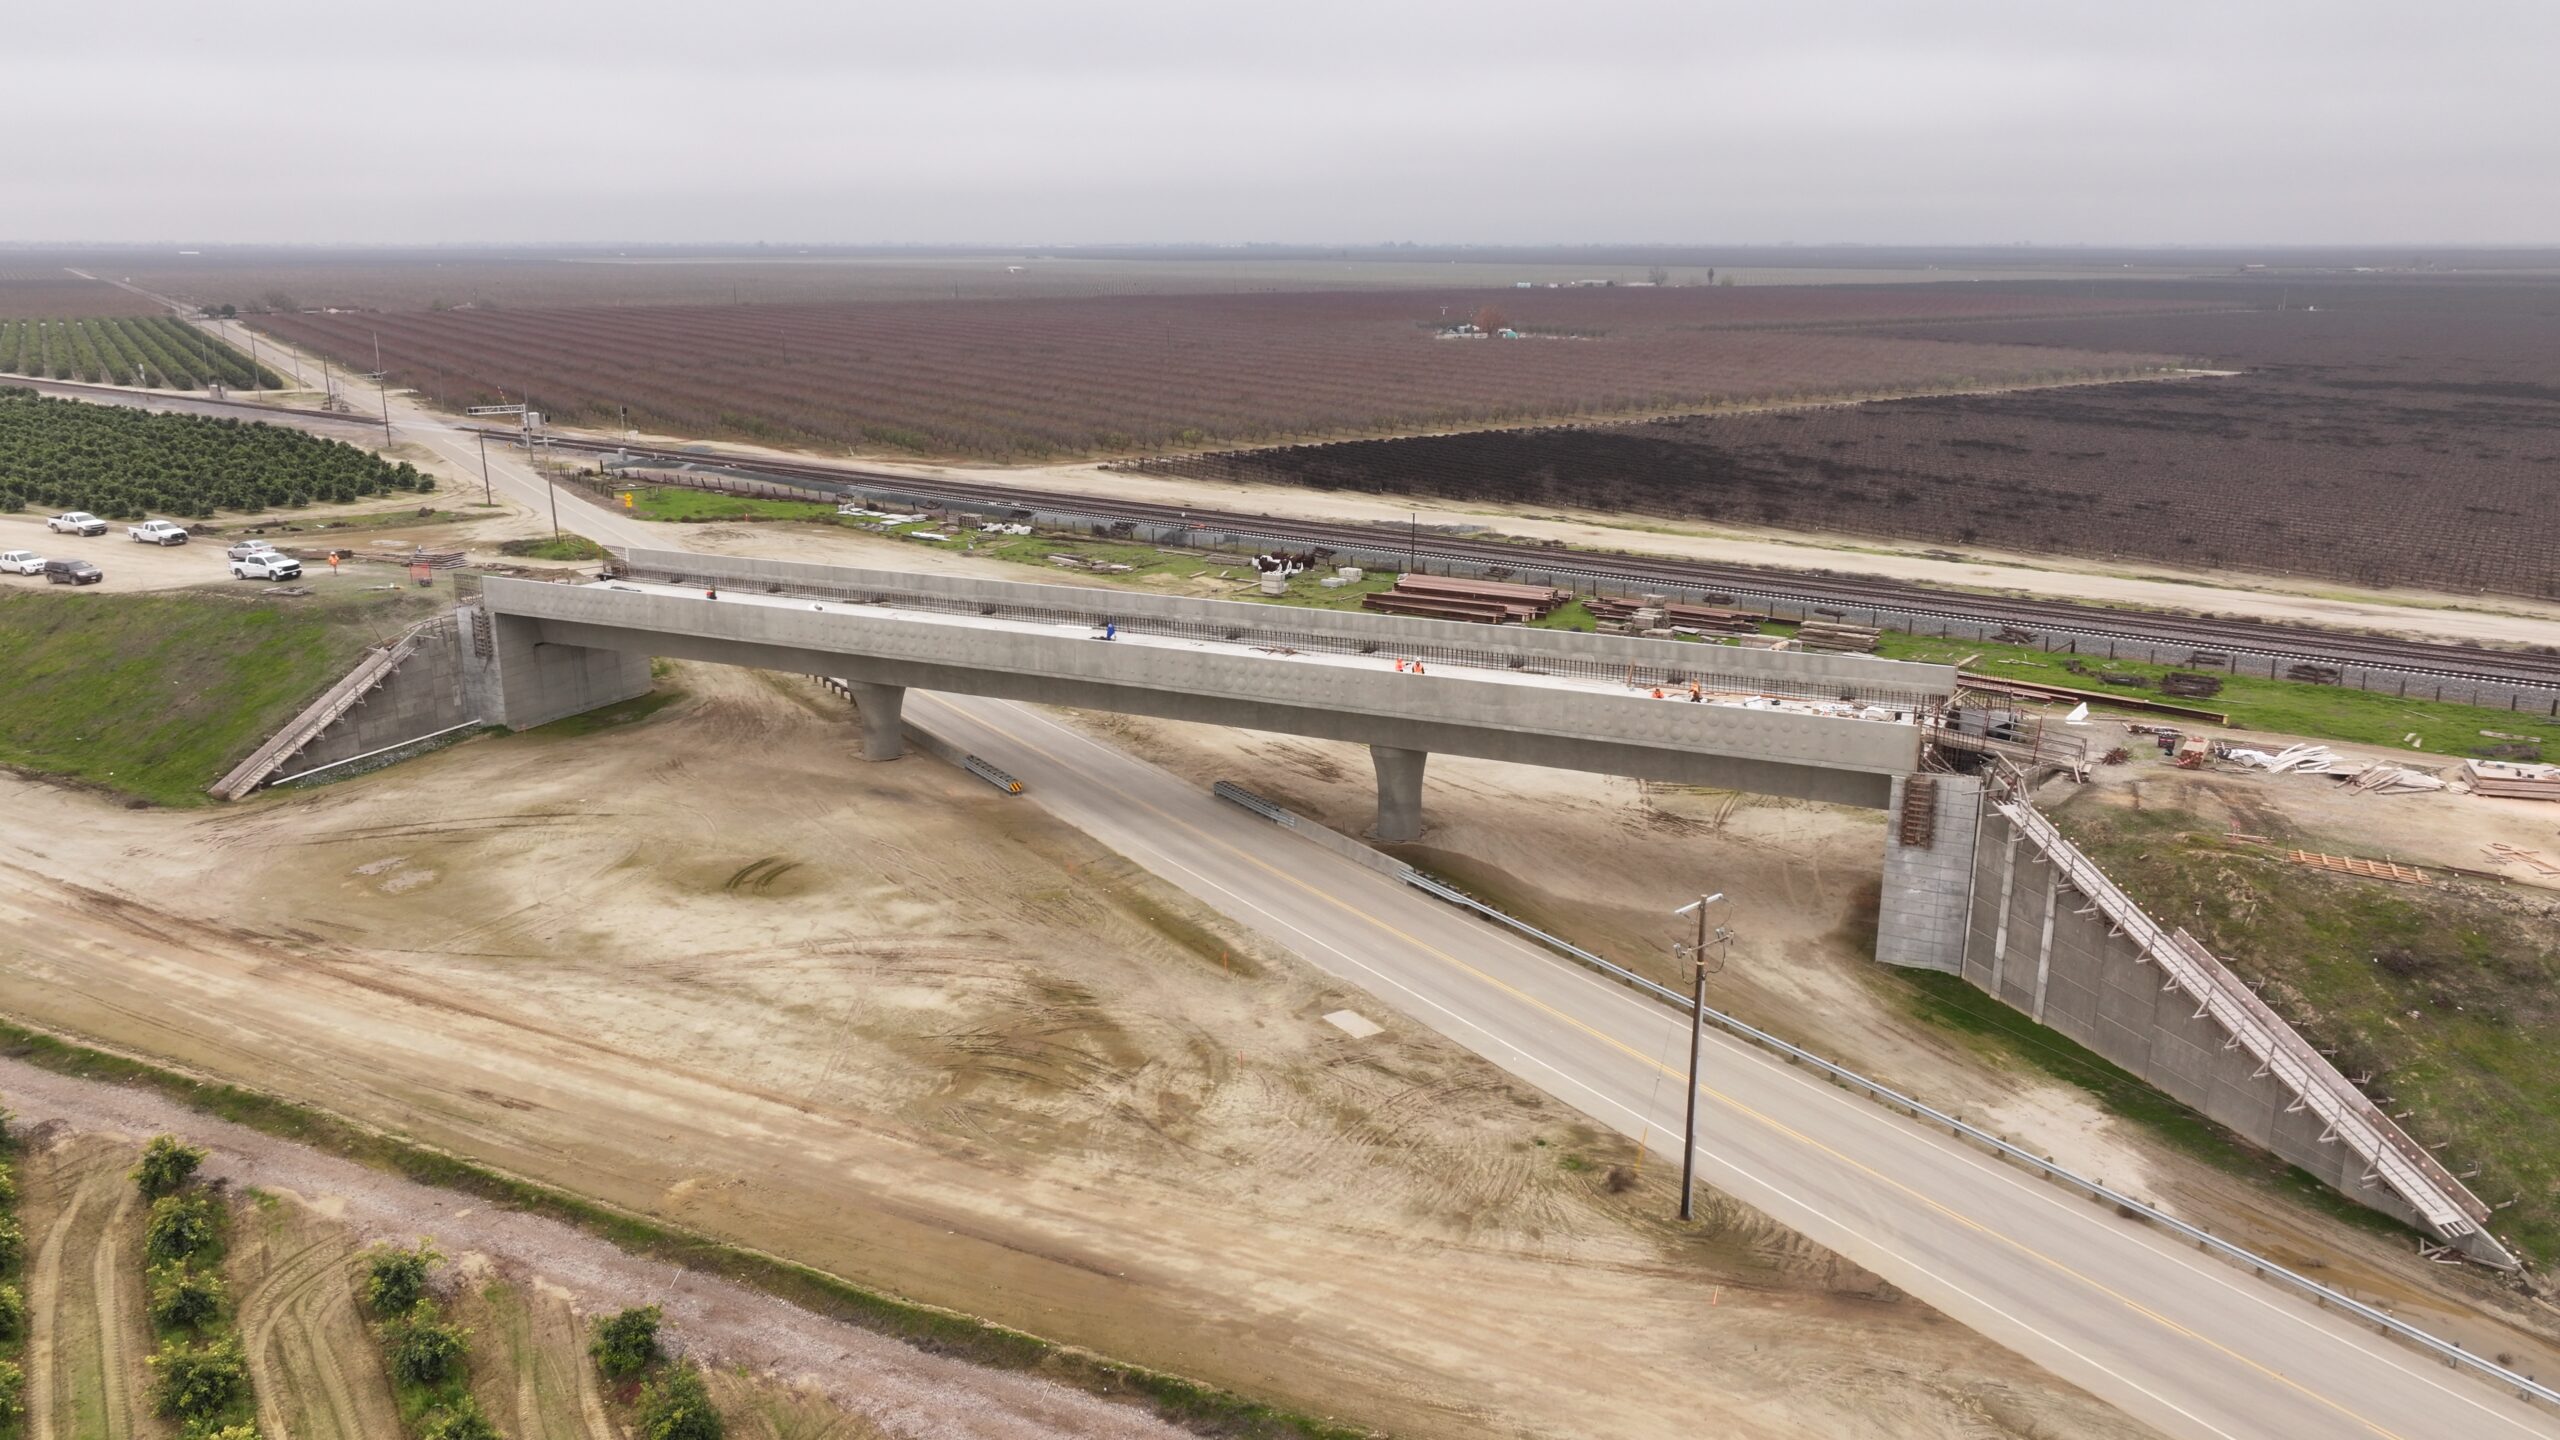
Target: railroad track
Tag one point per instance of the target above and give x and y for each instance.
(2093, 625)
(1919, 605)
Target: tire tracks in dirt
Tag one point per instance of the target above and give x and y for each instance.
(44, 1286)
(291, 1319)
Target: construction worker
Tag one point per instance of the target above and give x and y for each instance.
(1417, 667)
(1110, 629)
(710, 592)
(1400, 664)
(1696, 693)
(1657, 692)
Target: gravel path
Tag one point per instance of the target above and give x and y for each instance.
(900, 1389)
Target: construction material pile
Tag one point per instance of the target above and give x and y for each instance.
(1653, 612)
(1837, 636)
(2291, 760)
(2384, 778)
(1490, 602)
(2511, 780)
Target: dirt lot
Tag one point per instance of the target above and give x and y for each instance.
(912, 1031)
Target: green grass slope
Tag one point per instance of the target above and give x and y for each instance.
(2448, 993)
(154, 696)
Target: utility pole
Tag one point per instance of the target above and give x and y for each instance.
(1697, 957)
(384, 390)
(487, 496)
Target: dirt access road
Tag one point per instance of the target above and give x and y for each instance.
(915, 1032)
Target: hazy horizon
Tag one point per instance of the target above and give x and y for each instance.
(1864, 123)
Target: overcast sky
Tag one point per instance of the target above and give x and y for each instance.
(1310, 120)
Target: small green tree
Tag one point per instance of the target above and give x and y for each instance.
(166, 1167)
(183, 1298)
(463, 1422)
(676, 1406)
(198, 1382)
(424, 1349)
(13, 1394)
(395, 1279)
(627, 1343)
(13, 1241)
(180, 1228)
(8, 1180)
(242, 1431)
(13, 1313)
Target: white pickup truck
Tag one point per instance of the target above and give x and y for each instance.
(157, 532)
(21, 562)
(266, 565)
(76, 522)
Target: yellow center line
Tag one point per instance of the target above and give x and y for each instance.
(1889, 1182)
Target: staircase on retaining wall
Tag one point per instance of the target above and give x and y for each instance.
(2391, 1157)
(306, 727)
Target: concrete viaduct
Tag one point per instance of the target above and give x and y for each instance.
(1836, 728)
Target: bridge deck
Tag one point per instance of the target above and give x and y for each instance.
(1137, 634)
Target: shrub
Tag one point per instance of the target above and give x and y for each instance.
(198, 1382)
(181, 1227)
(13, 1313)
(13, 1241)
(166, 1167)
(627, 1343)
(425, 1350)
(183, 1298)
(675, 1406)
(13, 1393)
(8, 1183)
(395, 1279)
(463, 1422)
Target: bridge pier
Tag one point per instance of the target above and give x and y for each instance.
(883, 736)
(1399, 792)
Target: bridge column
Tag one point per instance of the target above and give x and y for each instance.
(883, 738)
(1399, 792)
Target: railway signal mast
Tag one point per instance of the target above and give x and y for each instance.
(528, 422)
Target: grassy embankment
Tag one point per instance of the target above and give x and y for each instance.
(153, 696)
(2449, 994)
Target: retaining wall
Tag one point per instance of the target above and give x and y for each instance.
(428, 692)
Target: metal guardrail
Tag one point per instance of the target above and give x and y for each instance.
(1235, 794)
(2450, 1353)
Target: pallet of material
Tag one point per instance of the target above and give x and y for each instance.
(1437, 607)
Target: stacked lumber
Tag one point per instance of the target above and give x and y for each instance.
(1837, 636)
(1492, 602)
(1711, 619)
(2508, 780)
(1439, 607)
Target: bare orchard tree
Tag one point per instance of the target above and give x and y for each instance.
(1491, 319)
